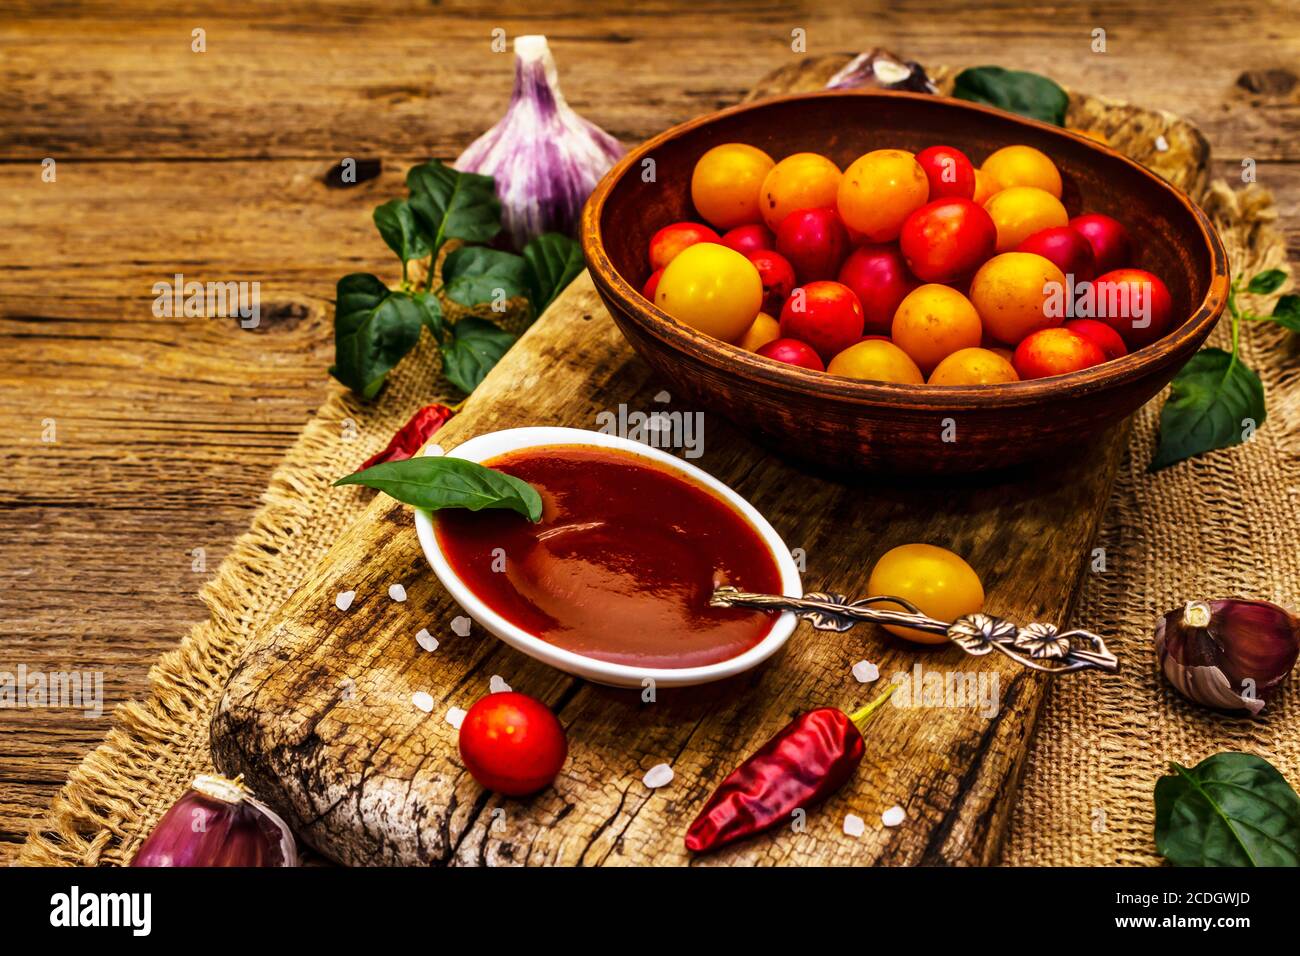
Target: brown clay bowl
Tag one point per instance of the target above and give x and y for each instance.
(847, 424)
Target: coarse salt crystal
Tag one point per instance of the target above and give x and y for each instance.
(423, 701)
(426, 640)
(455, 717)
(344, 600)
(866, 672)
(397, 593)
(893, 816)
(660, 775)
(460, 626)
(497, 685)
(854, 825)
(1162, 144)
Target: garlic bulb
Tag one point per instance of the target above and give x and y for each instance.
(545, 158)
(1229, 654)
(217, 822)
(880, 68)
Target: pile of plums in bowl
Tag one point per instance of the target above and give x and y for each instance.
(938, 287)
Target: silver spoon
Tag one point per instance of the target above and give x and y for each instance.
(1040, 647)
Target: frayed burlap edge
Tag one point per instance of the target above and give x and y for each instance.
(159, 743)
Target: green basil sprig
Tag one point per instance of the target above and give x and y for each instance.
(1015, 91)
(1231, 809)
(1216, 401)
(434, 483)
(374, 326)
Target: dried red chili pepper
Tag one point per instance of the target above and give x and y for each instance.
(807, 761)
(412, 436)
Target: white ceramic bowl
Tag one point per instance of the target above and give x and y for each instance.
(493, 444)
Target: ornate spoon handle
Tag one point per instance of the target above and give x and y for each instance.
(1038, 646)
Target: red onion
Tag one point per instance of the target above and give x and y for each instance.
(545, 158)
(218, 823)
(1230, 654)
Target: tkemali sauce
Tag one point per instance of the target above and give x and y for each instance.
(623, 563)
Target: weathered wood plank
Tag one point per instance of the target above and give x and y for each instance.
(319, 720)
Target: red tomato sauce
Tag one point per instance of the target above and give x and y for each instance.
(623, 563)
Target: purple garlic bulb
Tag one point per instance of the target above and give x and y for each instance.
(881, 69)
(545, 158)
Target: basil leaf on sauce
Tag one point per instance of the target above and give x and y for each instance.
(1015, 91)
(441, 482)
(1216, 402)
(1231, 809)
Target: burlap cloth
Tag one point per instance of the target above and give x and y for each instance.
(1224, 524)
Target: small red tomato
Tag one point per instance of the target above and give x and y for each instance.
(947, 239)
(815, 242)
(793, 352)
(1106, 338)
(778, 278)
(879, 278)
(512, 743)
(950, 171)
(670, 240)
(1134, 303)
(1066, 248)
(652, 283)
(1055, 351)
(750, 238)
(826, 315)
(1111, 245)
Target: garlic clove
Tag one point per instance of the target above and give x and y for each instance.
(1230, 654)
(218, 822)
(544, 157)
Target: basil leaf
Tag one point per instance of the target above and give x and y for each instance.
(434, 483)
(373, 329)
(1211, 400)
(432, 316)
(453, 205)
(473, 274)
(1014, 91)
(1231, 809)
(554, 260)
(475, 348)
(1286, 312)
(397, 224)
(1267, 281)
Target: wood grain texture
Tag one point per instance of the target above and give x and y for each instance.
(318, 716)
(168, 431)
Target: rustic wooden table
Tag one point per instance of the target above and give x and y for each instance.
(135, 447)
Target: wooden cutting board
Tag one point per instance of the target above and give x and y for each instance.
(319, 715)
